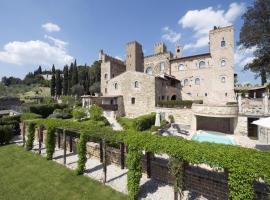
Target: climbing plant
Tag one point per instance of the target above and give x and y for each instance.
(134, 172)
(30, 136)
(50, 142)
(81, 148)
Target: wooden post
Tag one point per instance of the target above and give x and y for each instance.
(23, 134)
(64, 146)
(148, 164)
(58, 139)
(175, 194)
(70, 143)
(100, 152)
(39, 139)
(104, 162)
(122, 151)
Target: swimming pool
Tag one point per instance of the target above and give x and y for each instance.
(212, 136)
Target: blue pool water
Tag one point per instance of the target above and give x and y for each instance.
(212, 136)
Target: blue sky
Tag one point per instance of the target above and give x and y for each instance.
(36, 32)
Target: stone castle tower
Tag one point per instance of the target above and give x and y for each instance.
(134, 57)
(160, 47)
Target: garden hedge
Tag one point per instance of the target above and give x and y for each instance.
(45, 109)
(5, 134)
(243, 165)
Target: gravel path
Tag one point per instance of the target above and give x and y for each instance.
(116, 177)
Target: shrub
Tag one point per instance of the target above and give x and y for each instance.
(145, 122)
(5, 134)
(61, 114)
(13, 121)
(81, 148)
(28, 116)
(78, 113)
(96, 113)
(46, 109)
(171, 118)
(126, 123)
(30, 136)
(50, 142)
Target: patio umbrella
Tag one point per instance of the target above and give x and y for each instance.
(264, 122)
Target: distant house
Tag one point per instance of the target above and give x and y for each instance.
(47, 77)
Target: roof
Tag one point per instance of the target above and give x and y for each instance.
(167, 76)
(252, 87)
(192, 56)
(7, 112)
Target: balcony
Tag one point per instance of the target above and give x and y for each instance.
(110, 107)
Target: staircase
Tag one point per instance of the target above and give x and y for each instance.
(113, 122)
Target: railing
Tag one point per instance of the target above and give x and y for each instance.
(112, 107)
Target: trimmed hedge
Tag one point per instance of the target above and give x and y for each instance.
(46, 109)
(178, 103)
(28, 116)
(5, 134)
(244, 165)
(14, 122)
(30, 136)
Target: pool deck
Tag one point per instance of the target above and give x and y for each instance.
(240, 140)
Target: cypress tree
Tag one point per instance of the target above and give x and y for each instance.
(58, 83)
(75, 79)
(53, 82)
(70, 74)
(65, 81)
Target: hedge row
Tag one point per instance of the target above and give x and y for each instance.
(5, 134)
(178, 103)
(244, 165)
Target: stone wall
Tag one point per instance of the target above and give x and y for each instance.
(181, 115)
(215, 110)
(241, 126)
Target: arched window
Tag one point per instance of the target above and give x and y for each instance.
(173, 97)
(181, 67)
(223, 79)
(185, 82)
(136, 84)
(105, 76)
(116, 86)
(202, 64)
(197, 81)
(162, 66)
(148, 70)
(223, 63)
(223, 43)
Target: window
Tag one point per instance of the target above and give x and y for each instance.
(133, 100)
(226, 94)
(205, 94)
(223, 79)
(162, 97)
(116, 86)
(162, 66)
(202, 64)
(185, 82)
(136, 84)
(197, 81)
(181, 67)
(223, 63)
(223, 43)
(105, 76)
(148, 70)
(105, 90)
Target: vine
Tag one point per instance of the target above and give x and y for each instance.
(30, 136)
(50, 142)
(176, 169)
(134, 172)
(81, 148)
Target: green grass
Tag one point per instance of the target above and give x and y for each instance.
(28, 176)
(126, 123)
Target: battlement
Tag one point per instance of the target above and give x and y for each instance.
(221, 29)
(134, 43)
(160, 47)
(105, 58)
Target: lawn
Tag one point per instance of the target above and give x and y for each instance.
(28, 176)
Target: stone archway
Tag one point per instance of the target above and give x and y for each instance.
(173, 97)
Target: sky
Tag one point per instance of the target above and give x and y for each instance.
(36, 32)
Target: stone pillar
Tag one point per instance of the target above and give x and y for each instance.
(83, 102)
(239, 99)
(254, 95)
(265, 103)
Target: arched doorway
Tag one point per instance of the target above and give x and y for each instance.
(173, 97)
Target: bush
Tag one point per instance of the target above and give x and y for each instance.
(145, 122)
(5, 134)
(126, 123)
(13, 121)
(96, 113)
(78, 113)
(171, 118)
(28, 116)
(61, 114)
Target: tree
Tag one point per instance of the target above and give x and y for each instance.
(77, 90)
(75, 74)
(255, 32)
(58, 83)
(70, 73)
(65, 81)
(53, 82)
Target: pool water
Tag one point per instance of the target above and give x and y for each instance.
(212, 136)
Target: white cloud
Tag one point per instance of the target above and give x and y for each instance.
(34, 52)
(244, 56)
(170, 35)
(202, 21)
(51, 27)
(57, 42)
